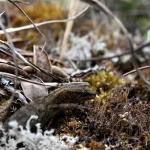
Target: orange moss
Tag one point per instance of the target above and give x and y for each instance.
(40, 11)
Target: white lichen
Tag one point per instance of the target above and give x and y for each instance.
(23, 139)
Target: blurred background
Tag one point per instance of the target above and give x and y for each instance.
(93, 31)
(134, 14)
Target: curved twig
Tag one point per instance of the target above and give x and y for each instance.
(106, 10)
(30, 26)
(133, 71)
(99, 58)
(24, 13)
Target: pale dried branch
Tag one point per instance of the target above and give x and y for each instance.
(12, 48)
(30, 26)
(72, 11)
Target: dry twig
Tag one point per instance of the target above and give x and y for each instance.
(105, 9)
(133, 71)
(100, 58)
(39, 31)
(30, 26)
(72, 11)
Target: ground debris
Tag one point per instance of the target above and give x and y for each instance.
(90, 83)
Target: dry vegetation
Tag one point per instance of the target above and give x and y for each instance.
(89, 80)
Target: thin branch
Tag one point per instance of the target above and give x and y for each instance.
(34, 66)
(30, 26)
(105, 9)
(21, 2)
(99, 58)
(133, 71)
(24, 13)
(46, 84)
(12, 48)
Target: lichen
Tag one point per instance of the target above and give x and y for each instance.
(19, 138)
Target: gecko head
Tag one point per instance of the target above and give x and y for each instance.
(75, 93)
(85, 95)
(81, 95)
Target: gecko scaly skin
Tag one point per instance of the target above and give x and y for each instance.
(72, 93)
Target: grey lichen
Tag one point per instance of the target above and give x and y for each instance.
(23, 139)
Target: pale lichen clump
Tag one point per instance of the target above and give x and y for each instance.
(19, 138)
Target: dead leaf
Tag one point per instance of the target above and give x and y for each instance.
(59, 72)
(33, 91)
(40, 59)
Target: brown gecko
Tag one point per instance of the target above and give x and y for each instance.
(71, 93)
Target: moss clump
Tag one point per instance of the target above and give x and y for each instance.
(103, 82)
(39, 12)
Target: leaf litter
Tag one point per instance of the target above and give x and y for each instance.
(116, 118)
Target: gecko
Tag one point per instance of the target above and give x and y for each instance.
(71, 93)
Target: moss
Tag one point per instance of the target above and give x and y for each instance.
(143, 23)
(40, 12)
(103, 82)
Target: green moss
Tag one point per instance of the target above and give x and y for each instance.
(103, 82)
(143, 23)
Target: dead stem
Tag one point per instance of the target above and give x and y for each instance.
(72, 11)
(104, 8)
(133, 71)
(12, 49)
(24, 13)
(140, 48)
(30, 26)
